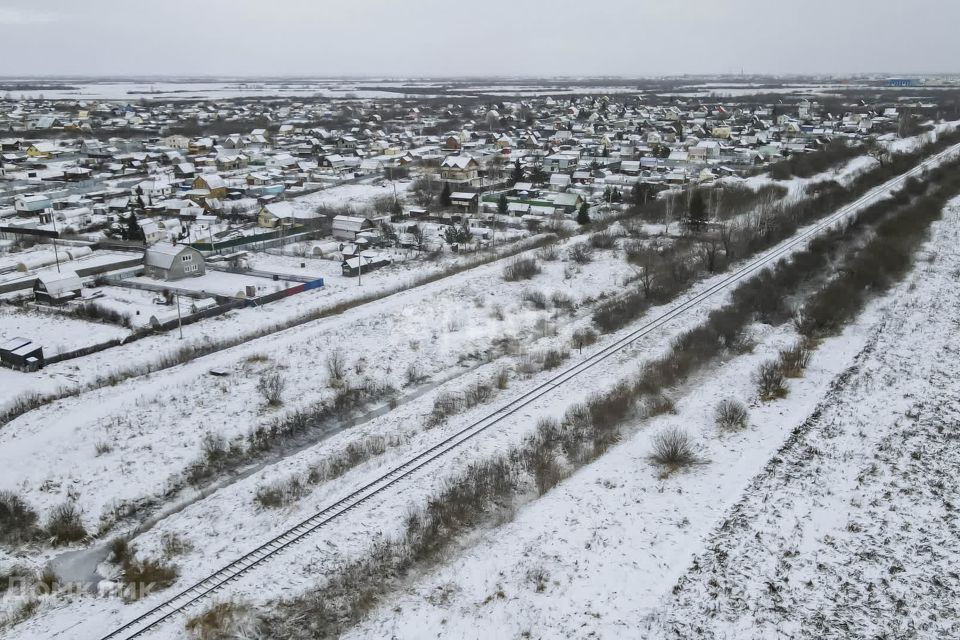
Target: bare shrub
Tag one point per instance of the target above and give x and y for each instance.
(270, 496)
(521, 269)
(793, 361)
(583, 338)
(18, 521)
(548, 253)
(222, 621)
(501, 379)
(64, 525)
(414, 375)
(673, 448)
(336, 365)
(770, 381)
(214, 447)
(120, 550)
(542, 463)
(658, 404)
(603, 240)
(141, 577)
(539, 577)
(15, 575)
(102, 447)
(49, 578)
(581, 253)
(553, 358)
(561, 300)
(731, 414)
(477, 394)
(535, 297)
(173, 544)
(280, 493)
(271, 386)
(444, 405)
(94, 311)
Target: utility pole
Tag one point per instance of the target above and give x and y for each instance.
(179, 318)
(56, 253)
(359, 265)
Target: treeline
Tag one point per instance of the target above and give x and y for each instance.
(884, 259)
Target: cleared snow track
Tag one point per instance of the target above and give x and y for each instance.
(217, 581)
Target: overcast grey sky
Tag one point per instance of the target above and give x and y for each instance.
(486, 37)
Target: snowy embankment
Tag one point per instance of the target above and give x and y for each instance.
(855, 528)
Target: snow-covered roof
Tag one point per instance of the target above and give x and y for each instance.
(213, 181)
(457, 162)
(350, 223)
(162, 254)
(56, 284)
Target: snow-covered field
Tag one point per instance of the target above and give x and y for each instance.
(337, 289)
(55, 331)
(206, 526)
(356, 196)
(155, 425)
(853, 531)
(597, 556)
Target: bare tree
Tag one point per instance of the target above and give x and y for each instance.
(727, 233)
(423, 192)
(905, 123)
(416, 232)
(708, 248)
(877, 151)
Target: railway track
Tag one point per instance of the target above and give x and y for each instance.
(217, 581)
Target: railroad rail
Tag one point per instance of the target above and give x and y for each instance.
(217, 581)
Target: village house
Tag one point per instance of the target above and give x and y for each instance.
(176, 141)
(213, 184)
(274, 214)
(42, 150)
(460, 170)
(347, 227)
(32, 204)
(54, 287)
(173, 262)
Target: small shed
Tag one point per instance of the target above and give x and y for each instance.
(354, 266)
(347, 227)
(57, 287)
(463, 199)
(21, 353)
